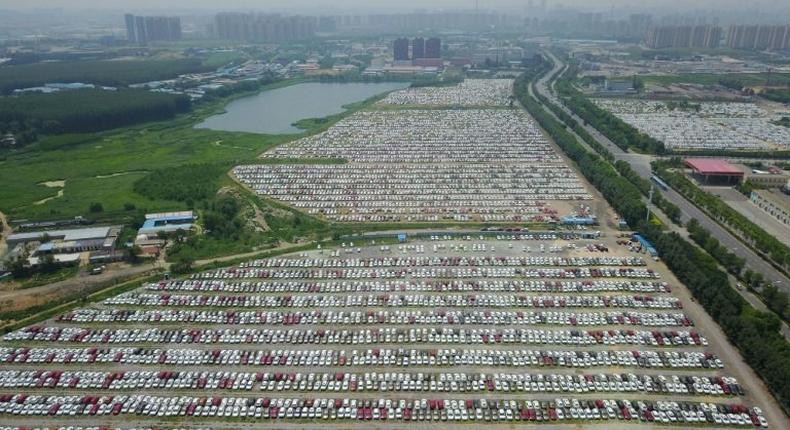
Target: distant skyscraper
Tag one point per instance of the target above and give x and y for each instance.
(131, 35)
(401, 49)
(683, 36)
(266, 28)
(433, 48)
(144, 29)
(759, 37)
(418, 48)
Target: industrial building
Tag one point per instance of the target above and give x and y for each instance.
(165, 222)
(144, 29)
(69, 241)
(712, 170)
(66, 246)
(770, 178)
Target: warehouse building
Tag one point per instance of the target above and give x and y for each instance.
(69, 241)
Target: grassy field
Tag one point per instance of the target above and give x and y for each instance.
(103, 167)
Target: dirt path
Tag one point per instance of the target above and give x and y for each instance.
(5, 230)
(251, 254)
(22, 299)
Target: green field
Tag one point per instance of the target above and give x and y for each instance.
(103, 167)
(102, 72)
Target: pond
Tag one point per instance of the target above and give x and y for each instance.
(275, 111)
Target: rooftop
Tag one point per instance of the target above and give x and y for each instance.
(66, 235)
(713, 166)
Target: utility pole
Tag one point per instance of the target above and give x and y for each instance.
(649, 202)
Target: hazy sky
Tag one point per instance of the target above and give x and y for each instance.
(371, 5)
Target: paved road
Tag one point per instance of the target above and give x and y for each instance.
(641, 165)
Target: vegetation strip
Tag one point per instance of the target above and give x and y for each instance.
(756, 334)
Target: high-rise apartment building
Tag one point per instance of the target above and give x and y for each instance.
(433, 48)
(144, 29)
(759, 37)
(400, 49)
(418, 48)
(263, 27)
(683, 36)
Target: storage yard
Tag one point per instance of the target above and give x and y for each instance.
(521, 327)
(425, 165)
(716, 126)
(471, 92)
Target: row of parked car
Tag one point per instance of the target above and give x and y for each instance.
(386, 317)
(316, 301)
(438, 286)
(399, 357)
(432, 273)
(370, 381)
(443, 261)
(560, 409)
(355, 337)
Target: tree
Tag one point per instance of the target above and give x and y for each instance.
(96, 207)
(639, 84)
(133, 253)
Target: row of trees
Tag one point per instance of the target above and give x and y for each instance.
(619, 132)
(669, 208)
(87, 110)
(108, 73)
(769, 245)
(755, 333)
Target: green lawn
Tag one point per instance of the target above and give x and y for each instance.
(137, 150)
(130, 153)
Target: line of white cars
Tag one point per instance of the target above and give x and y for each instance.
(401, 357)
(715, 126)
(369, 381)
(367, 286)
(415, 336)
(425, 261)
(411, 137)
(433, 272)
(500, 300)
(470, 92)
(349, 318)
(559, 409)
(340, 191)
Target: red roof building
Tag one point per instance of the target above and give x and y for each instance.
(707, 168)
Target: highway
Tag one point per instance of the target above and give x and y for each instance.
(641, 165)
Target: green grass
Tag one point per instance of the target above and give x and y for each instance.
(47, 278)
(78, 159)
(218, 59)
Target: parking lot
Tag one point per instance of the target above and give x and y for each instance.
(470, 92)
(416, 164)
(716, 125)
(522, 327)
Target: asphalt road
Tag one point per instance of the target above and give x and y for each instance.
(641, 165)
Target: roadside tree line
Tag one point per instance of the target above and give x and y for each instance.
(765, 243)
(87, 110)
(617, 130)
(755, 333)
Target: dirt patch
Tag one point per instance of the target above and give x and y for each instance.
(113, 175)
(52, 184)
